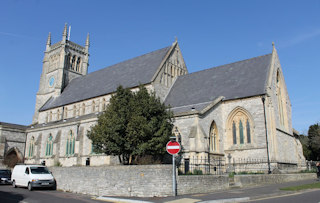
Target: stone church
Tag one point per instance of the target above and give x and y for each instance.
(235, 111)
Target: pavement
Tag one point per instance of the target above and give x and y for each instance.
(231, 195)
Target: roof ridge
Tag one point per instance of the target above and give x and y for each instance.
(112, 66)
(221, 66)
(136, 57)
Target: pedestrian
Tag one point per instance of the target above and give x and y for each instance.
(318, 170)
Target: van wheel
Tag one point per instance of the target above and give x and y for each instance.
(14, 184)
(29, 187)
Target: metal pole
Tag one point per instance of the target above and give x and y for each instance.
(174, 186)
(265, 124)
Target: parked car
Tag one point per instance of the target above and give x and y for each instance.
(32, 176)
(5, 176)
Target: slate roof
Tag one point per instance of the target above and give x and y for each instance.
(232, 81)
(12, 125)
(129, 73)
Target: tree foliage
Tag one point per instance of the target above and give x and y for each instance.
(134, 125)
(314, 141)
(311, 143)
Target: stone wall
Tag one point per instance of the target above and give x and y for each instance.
(248, 180)
(141, 181)
(147, 180)
(152, 180)
(191, 184)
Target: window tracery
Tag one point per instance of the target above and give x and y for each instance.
(31, 147)
(240, 127)
(49, 146)
(214, 138)
(281, 100)
(78, 64)
(70, 144)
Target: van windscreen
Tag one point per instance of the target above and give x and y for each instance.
(39, 170)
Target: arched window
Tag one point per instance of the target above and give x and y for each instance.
(93, 106)
(50, 116)
(67, 61)
(78, 64)
(65, 112)
(49, 146)
(58, 114)
(104, 104)
(73, 63)
(239, 127)
(70, 144)
(281, 100)
(83, 109)
(74, 110)
(248, 132)
(234, 133)
(241, 132)
(177, 134)
(31, 147)
(213, 138)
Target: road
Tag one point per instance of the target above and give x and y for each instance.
(309, 196)
(259, 194)
(8, 194)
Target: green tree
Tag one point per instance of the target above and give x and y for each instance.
(314, 141)
(305, 146)
(134, 125)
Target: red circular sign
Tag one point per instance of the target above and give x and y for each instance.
(173, 147)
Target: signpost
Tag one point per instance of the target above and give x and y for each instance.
(173, 148)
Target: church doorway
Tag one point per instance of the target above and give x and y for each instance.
(12, 157)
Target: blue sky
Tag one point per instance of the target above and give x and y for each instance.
(210, 33)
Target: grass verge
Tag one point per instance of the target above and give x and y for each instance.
(302, 187)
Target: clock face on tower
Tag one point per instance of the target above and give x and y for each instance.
(51, 81)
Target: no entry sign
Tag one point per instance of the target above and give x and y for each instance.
(173, 147)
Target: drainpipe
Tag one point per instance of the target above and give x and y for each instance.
(265, 125)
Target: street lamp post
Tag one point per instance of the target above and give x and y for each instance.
(265, 125)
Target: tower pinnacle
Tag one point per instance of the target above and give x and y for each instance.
(87, 42)
(48, 41)
(65, 33)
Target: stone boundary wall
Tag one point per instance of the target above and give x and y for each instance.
(152, 180)
(136, 180)
(191, 184)
(248, 180)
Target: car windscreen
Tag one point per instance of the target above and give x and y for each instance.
(5, 172)
(39, 170)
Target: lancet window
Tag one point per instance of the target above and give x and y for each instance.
(281, 100)
(31, 147)
(78, 64)
(49, 146)
(83, 109)
(74, 110)
(73, 63)
(93, 106)
(213, 138)
(70, 144)
(240, 127)
(65, 112)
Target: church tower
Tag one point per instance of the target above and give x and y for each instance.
(62, 62)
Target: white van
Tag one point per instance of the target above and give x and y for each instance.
(32, 176)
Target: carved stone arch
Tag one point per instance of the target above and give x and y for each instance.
(78, 64)
(214, 137)
(240, 127)
(12, 157)
(67, 60)
(281, 99)
(177, 133)
(73, 62)
(49, 144)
